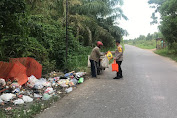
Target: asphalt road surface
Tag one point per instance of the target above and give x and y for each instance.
(148, 90)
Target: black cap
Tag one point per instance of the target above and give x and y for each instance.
(117, 41)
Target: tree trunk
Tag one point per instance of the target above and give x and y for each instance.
(89, 35)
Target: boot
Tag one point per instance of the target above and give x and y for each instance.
(116, 77)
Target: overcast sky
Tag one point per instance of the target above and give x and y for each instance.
(139, 15)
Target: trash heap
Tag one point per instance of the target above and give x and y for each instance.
(13, 93)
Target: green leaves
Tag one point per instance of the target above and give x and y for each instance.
(168, 12)
(36, 28)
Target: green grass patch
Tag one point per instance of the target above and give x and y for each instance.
(167, 53)
(144, 44)
(28, 111)
(2, 114)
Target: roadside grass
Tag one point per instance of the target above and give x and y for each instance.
(2, 114)
(167, 53)
(144, 44)
(151, 44)
(28, 111)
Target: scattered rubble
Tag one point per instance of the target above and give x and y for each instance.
(21, 83)
(14, 94)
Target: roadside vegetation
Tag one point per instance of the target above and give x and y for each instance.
(34, 28)
(145, 42)
(167, 10)
(167, 53)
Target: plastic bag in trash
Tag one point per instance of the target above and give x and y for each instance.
(105, 62)
(68, 90)
(49, 90)
(81, 80)
(27, 99)
(74, 80)
(46, 96)
(80, 74)
(1, 101)
(62, 83)
(31, 81)
(56, 78)
(2, 82)
(15, 85)
(47, 84)
(68, 74)
(71, 84)
(18, 101)
(37, 95)
(7, 96)
(40, 83)
(17, 90)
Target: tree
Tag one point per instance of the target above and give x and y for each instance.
(168, 12)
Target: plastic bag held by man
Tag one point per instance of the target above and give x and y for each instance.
(109, 55)
(115, 66)
(105, 62)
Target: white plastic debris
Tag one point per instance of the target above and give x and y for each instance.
(80, 74)
(40, 83)
(7, 96)
(49, 90)
(27, 98)
(37, 95)
(2, 82)
(18, 101)
(31, 81)
(1, 101)
(105, 62)
(68, 90)
(46, 96)
(17, 90)
(47, 84)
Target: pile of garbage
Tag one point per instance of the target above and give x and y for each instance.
(12, 93)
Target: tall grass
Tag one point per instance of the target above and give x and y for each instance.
(167, 53)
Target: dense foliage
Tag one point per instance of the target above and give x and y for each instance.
(36, 28)
(168, 24)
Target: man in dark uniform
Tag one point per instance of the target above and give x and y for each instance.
(119, 58)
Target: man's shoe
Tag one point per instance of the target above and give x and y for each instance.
(121, 76)
(116, 78)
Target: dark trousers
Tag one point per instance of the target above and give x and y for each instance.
(119, 74)
(93, 68)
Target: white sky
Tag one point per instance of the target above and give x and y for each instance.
(139, 15)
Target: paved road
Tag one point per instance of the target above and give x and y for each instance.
(148, 90)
